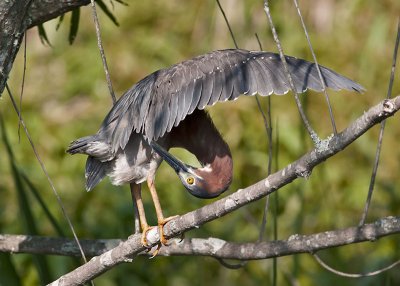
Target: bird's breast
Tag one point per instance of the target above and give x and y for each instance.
(135, 163)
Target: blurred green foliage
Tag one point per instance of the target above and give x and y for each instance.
(66, 97)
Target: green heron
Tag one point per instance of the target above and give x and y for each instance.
(166, 109)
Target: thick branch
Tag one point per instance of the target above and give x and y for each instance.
(16, 16)
(300, 168)
(43, 11)
(212, 247)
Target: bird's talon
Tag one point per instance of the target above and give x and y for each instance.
(163, 240)
(182, 237)
(155, 251)
(161, 224)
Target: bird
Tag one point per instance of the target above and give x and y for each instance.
(166, 109)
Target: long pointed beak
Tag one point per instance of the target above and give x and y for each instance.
(174, 162)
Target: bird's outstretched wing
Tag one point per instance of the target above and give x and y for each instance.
(164, 98)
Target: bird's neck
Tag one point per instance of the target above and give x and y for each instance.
(200, 137)
(217, 173)
(215, 157)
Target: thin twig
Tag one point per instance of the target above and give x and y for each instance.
(267, 124)
(22, 89)
(276, 206)
(268, 129)
(231, 265)
(318, 69)
(49, 215)
(224, 263)
(267, 120)
(101, 49)
(227, 23)
(354, 275)
(381, 131)
(311, 132)
(46, 173)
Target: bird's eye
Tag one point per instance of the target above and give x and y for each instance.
(190, 180)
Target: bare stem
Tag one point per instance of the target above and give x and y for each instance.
(303, 116)
(381, 131)
(317, 66)
(101, 49)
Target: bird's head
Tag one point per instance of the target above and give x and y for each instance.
(204, 183)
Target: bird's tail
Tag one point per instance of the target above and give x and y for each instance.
(81, 145)
(95, 172)
(93, 146)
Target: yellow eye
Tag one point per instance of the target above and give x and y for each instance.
(190, 180)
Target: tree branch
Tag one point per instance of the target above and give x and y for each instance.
(212, 247)
(54, 245)
(16, 16)
(300, 168)
(43, 11)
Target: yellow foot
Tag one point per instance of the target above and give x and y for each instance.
(145, 243)
(161, 224)
(155, 251)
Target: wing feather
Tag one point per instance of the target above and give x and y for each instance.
(208, 85)
(162, 115)
(240, 85)
(196, 94)
(251, 76)
(163, 99)
(188, 99)
(264, 78)
(181, 105)
(217, 87)
(226, 84)
(273, 66)
(174, 104)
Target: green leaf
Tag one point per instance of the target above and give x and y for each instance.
(9, 275)
(74, 25)
(27, 217)
(42, 35)
(107, 12)
(120, 2)
(60, 20)
(41, 202)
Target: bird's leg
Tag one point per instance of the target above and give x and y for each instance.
(135, 209)
(136, 192)
(160, 217)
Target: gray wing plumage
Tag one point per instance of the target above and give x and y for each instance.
(162, 100)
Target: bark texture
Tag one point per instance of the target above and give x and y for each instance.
(212, 247)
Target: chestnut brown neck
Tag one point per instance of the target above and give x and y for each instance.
(199, 136)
